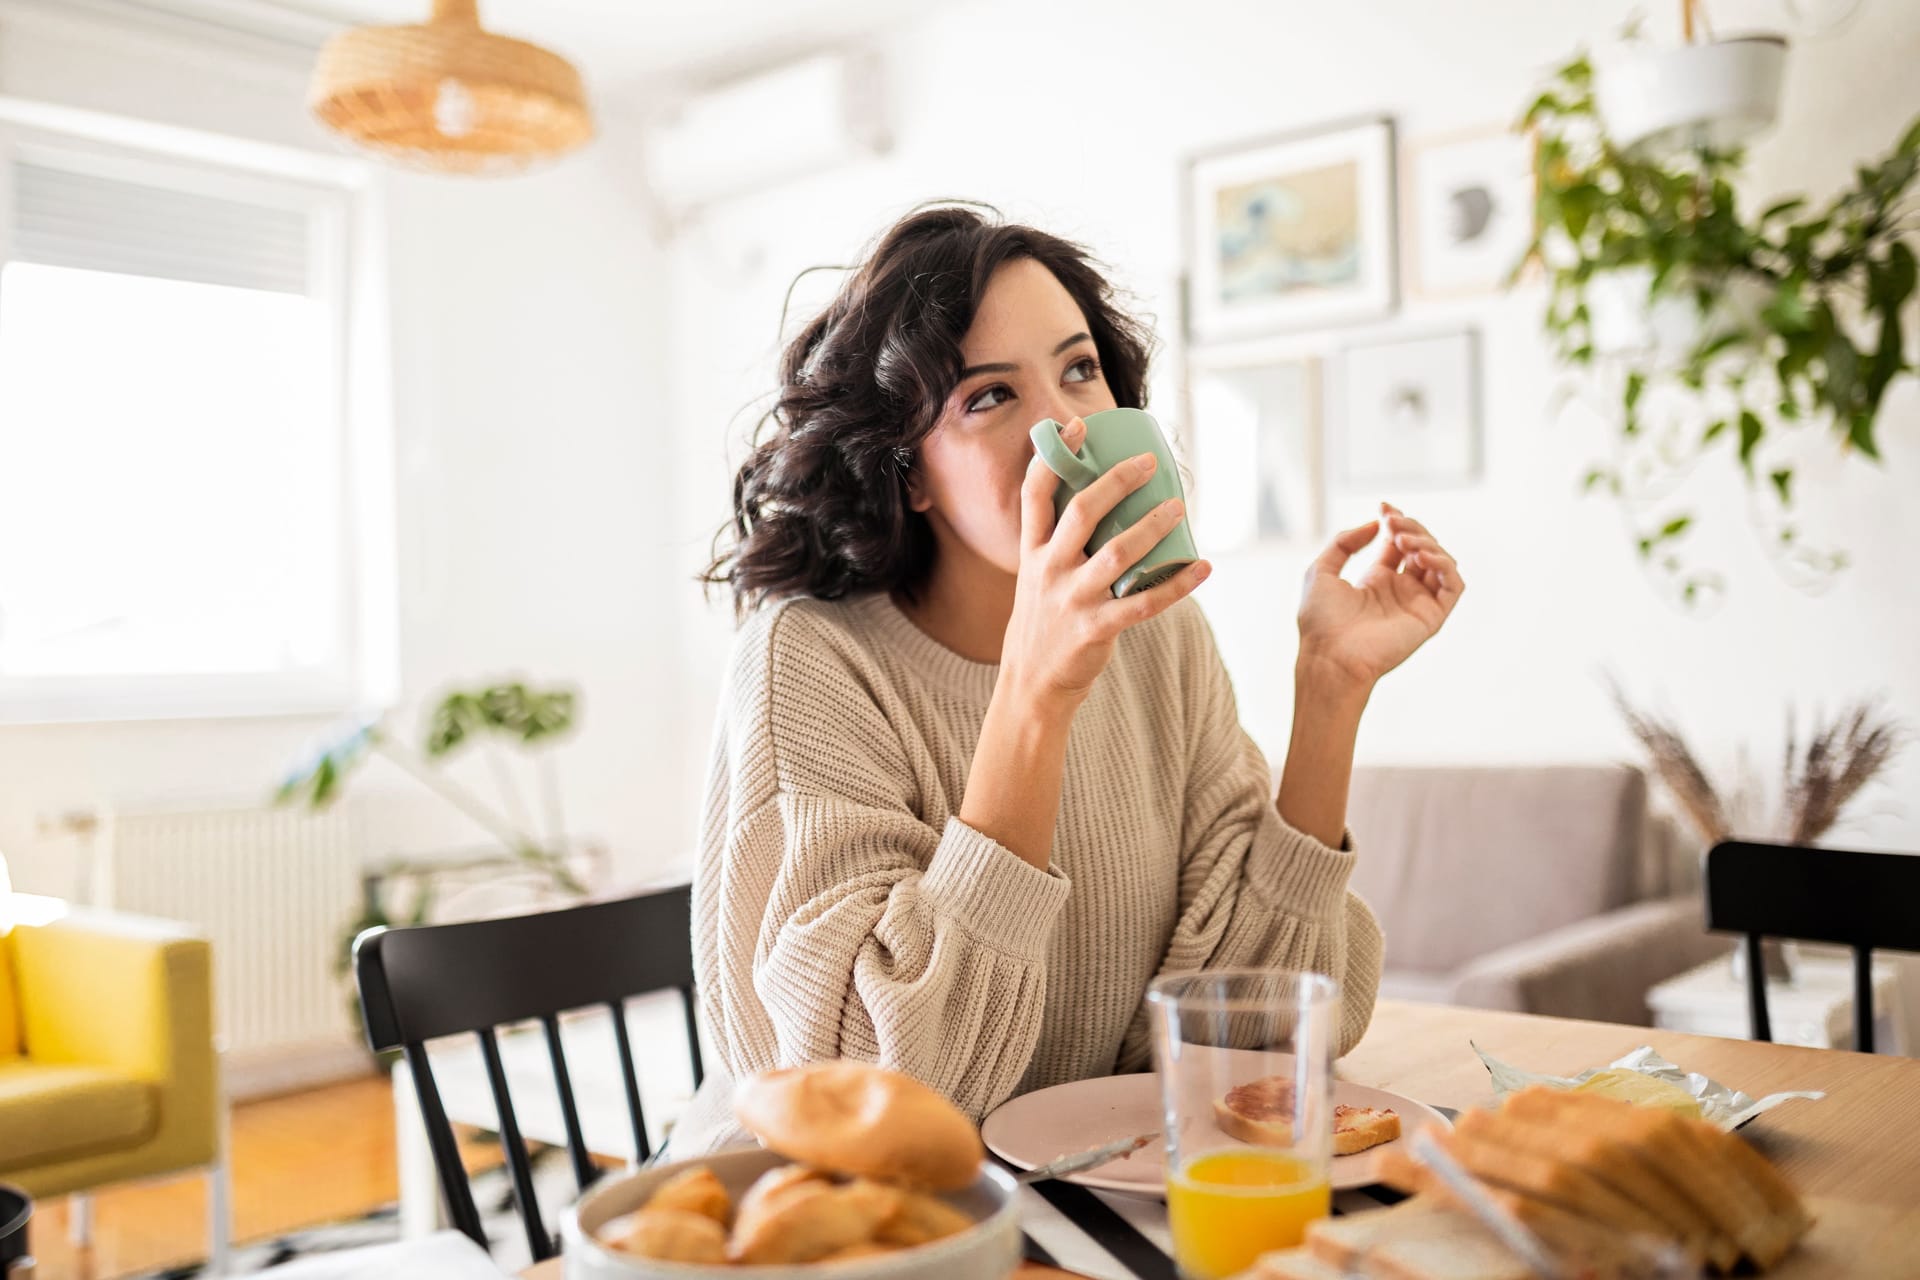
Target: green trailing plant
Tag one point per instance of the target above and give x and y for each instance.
(511, 714)
(1833, 280)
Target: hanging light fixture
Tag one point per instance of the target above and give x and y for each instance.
(447, 94)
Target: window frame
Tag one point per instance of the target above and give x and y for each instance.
(341, 200)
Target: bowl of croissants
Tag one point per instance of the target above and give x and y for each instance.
(862, 1174)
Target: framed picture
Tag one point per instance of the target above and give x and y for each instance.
(1470, 211)
(1410, 412)
(1291, 232)
(1255, 448)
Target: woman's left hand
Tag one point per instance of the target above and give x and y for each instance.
(1364, 629)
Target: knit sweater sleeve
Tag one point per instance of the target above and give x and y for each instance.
(1254, 891)
(917, 944)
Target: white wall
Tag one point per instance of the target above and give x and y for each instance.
(1076, 115)
(528, 321)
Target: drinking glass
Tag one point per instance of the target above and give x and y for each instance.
(1268, 1033)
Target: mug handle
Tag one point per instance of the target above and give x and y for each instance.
(1060, 460)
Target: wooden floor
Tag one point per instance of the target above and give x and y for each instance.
(298, 1161)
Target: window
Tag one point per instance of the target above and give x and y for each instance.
(187, 503)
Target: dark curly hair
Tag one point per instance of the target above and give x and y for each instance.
(820, 508)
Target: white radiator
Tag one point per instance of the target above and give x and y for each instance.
(273, 889)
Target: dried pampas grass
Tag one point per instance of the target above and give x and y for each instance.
(1817, 781)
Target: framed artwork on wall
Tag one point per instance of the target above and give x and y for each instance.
(1409, 412)
(1291, 232)
(1470, 211)
(1255, 449)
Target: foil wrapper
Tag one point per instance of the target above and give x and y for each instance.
(1727, 1107)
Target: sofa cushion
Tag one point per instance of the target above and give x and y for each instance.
(53, 1112)
(1457, 862)
(9, 1000)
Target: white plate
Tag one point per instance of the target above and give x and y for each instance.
(1038, 1127)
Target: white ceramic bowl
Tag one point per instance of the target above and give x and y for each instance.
(989, 1251)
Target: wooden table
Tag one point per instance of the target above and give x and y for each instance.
(1853, 1155)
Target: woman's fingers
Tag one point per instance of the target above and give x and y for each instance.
(1092, 504)
(1036, 504)
(1422, 555)
(1398, 521)
(1130, 546)
(1432, 566)
(1038, 486)
(1343, 548)
(1116, 616)
(1424, 548)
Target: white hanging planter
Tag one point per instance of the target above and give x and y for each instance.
(1716, 95)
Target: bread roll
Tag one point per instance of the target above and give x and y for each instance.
(695, 1190)
(921, 1219)
(861, 1120)
(812, 1222)
(775, 1185)
(673, 1235)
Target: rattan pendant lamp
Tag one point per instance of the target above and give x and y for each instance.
(447, 94)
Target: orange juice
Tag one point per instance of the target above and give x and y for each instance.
(1227, 1208)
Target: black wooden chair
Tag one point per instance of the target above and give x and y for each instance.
(421, 983)
(1861, 900)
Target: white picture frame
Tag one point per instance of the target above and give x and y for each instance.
(1255, 448)
(1470, 212)
(1409, 413)
(1292, 232)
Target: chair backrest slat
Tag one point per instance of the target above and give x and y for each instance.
(1865, 901)
(424, 982)
(1757, 991)
(446, 1152)
(642, 1149)
(1863, 997)
(693, 1034)
(583, 1170)
(539, 1243)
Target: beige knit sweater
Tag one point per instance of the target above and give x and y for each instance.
(842, 909)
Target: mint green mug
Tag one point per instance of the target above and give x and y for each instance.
(1113, 436)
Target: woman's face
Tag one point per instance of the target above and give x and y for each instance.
(1028, 356)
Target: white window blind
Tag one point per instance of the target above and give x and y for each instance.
(68, 218)
(183, 479)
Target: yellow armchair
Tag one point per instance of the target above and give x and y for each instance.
(108, 1070)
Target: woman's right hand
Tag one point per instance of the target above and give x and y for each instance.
(1065, 618)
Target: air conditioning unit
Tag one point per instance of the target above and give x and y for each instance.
(762, 130)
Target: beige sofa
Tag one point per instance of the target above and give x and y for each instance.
(1543, 889)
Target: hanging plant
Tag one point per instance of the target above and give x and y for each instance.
(1760, 324)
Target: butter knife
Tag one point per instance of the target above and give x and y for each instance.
(1084, 1160)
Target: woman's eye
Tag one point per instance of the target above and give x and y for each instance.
(1083, 370)
(990, 398)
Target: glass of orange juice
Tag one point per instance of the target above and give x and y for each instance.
(1244, 1057)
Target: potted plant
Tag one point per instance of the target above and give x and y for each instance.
(515, 715)
(1820, 776)
(1663, 288)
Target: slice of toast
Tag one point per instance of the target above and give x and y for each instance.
(1342, 1241)
(1610, 1160)
(1567, 1235)
(1295, 1264)
(1419, 1239)
(1565, 1184)
(1698, 1163)
(1261, 1112)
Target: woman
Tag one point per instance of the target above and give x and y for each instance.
(965, 805)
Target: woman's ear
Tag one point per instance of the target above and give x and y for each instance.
(917, 499)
